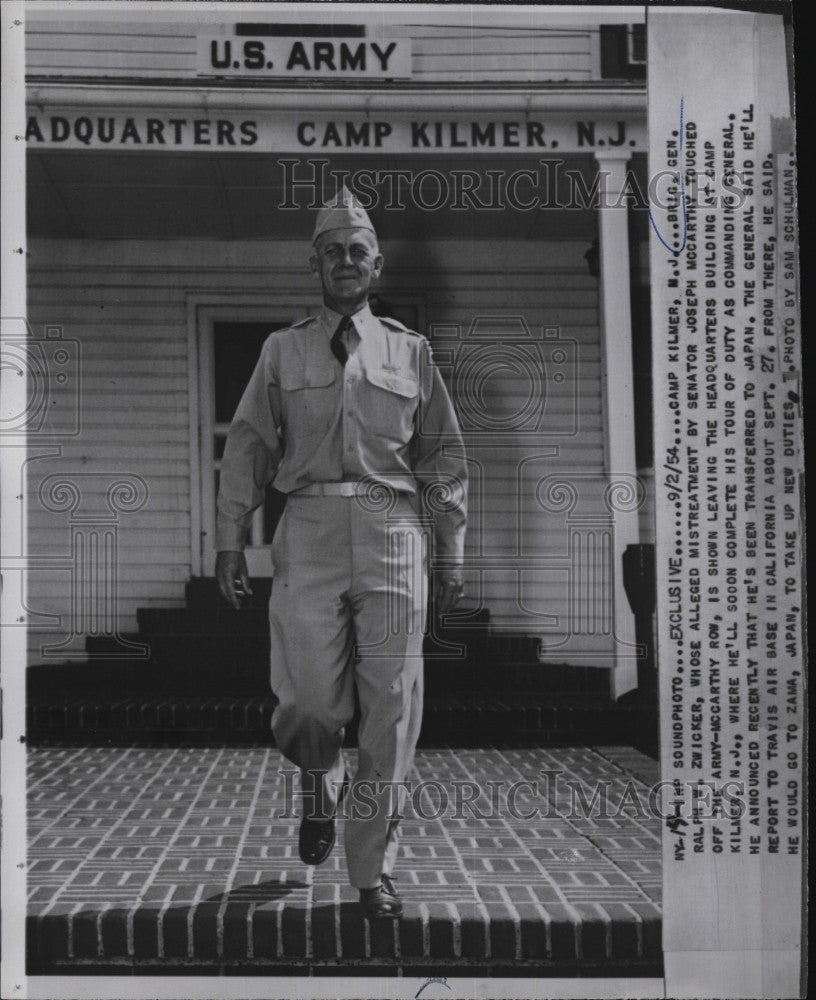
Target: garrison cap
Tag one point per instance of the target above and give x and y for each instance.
(343, 211)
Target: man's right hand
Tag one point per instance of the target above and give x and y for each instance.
(231, 570)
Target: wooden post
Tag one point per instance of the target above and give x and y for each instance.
(617, 379)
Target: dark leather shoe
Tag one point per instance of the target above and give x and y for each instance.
(316, 837)
(382, 901)
(315, 840)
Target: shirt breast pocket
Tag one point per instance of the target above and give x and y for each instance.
(391, 404)
(309, 401)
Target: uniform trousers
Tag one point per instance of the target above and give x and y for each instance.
(347, 613)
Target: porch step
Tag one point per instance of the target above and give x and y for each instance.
(250, 620)
(185, 861)
(464, 655)
(215, 666)
(205, 677)
(273, 936)
(203, 602)
(111, 716)
(218, 666)
(227, 653)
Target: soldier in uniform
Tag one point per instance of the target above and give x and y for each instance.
(348, 415)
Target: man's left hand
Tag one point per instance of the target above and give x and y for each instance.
(448, 589)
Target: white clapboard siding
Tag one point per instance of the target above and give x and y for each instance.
(75, 46)
(40, 520)
(134, 422)
(126, 304)
(174, 545)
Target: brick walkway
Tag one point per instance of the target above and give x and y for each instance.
(184, 859)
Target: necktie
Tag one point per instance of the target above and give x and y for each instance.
(338, 348)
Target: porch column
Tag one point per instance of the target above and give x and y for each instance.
(617, 379)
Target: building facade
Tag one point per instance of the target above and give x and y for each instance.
(175, 159)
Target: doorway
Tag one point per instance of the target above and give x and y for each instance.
(230, 342)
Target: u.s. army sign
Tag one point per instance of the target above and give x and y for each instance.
(328, 58)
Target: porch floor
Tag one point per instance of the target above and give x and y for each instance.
(184, 859)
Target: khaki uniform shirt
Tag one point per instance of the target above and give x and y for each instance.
(385, 416)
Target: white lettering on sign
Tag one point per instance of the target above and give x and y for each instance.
(223, 55)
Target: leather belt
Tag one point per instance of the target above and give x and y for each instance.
(352, 488)
(348, 489)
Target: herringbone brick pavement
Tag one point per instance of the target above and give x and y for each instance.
(163, 858)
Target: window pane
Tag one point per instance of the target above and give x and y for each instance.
(236, 348)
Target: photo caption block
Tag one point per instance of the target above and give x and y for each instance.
(728, 464)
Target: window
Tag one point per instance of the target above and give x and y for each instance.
(623, 51)
(236, 349)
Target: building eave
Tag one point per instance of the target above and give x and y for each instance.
(394, 99)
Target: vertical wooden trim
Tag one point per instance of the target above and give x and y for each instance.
(206, 544)
(617, 379)
(193, 397)
(595, 53)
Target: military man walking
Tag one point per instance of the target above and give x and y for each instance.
(348, 415)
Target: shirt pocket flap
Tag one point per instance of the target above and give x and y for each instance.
(402, 385)
(310, 377)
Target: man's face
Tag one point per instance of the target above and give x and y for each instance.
(346, 261)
